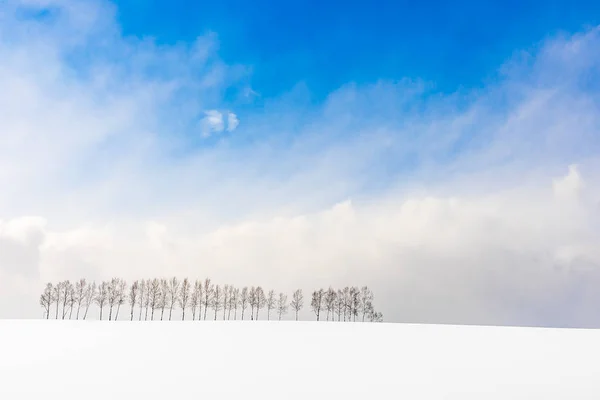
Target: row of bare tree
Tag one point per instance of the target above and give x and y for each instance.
(67, 300)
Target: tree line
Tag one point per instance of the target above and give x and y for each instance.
(154, 298)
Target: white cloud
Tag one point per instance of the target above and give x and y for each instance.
(212, 122)
(232, 122)
(481, 234)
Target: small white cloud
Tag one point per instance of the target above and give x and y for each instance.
(212, 122)
(232, 122)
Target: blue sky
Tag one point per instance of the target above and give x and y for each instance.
(450, 154)
(328, 44)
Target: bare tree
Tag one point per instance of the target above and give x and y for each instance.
(121, 290)
(261, 300)
(270, 303)
(163, 298)
(134, 292)
(354, 302)
(80, 292)
(225, 300)
(208, 295)
(154, 293)
(366, 298)
(244, 300)
(143, 298)
(195, 298)
(173, 294)
(216, 300)
(235, 300)
(56, 296)
(252, 301)
(66, 296)
(346, 302)
(282, 305)
(317, 302)
(339, 304)
(184, 297)
(71, 299)
(113, 288)
(46, 300)
(330, 297)
(90, 295)
(297, 302)
(102, 296)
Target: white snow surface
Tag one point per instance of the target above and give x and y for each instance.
(294, 360)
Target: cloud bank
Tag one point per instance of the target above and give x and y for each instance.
(480, 207)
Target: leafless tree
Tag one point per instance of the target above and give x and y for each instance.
(163, 297)
(225, 300)
(354, 302)
(339, 304)
(184, 297)
(121, 294)
(195, 298)
(208, 295)
(134, 292)
(376, 317)
(261, 300)
(330, 297)
(217, 299)
(90, 295)
(57, 295)
(282, 305)
(270, 303)
(46, 300)
(346, 302)
(252, 301)
(317, 302)
(71, 299)
(297, 302)
(154, 293)
(66, 296)
(366, 298)
(235, 300)
(173, 294)
(244, 300)
(102, 296)
(80, 292)
(113, 288)
(143, 295)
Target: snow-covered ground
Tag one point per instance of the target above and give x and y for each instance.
(293, 360)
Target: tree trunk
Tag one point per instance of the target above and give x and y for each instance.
(162, 313)
(100, 313)
(170, 312)
(56, 309)
(78, 308)
(117, 314)
(183, 316)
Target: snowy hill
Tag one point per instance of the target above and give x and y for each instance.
(293, 360)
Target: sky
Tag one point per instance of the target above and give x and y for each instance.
(446, 157)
